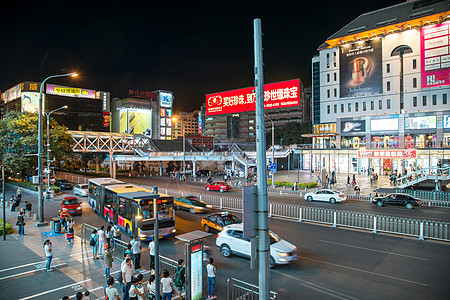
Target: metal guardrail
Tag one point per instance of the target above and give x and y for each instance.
(426, 195)
(241, 290)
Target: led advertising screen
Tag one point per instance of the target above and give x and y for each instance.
(276, 95)
(361, 68)
(165, 99)
(446, 121)
(139, 121)
(428, 122)
(30, 102)
(435, 55)
(70, 91)
(384, 124)
(123, 120)
(353, 126)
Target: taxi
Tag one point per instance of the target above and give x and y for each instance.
(192, 204)
(216, 222)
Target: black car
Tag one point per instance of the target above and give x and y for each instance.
(397, 199)
(202, 173)
(63, 184)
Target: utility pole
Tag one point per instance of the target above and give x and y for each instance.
(262, 229)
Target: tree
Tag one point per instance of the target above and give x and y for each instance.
(19, 137)
(291, 133)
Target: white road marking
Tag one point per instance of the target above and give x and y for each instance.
(54, 290)
(26, 265)
(374, 250)
(28, 272)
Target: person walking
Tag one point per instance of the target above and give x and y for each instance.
(94, 243)
(211, 272)
(116, 233)
(180, 277)
(101, 240)
(137, 289)
(19, 193)
(48, 254)
(108, 261)
(12, 203)
(167, 284)
(21, 223)
(151, 247)
(136, 251)
(108, 234)
(127, 275)
(110, 291)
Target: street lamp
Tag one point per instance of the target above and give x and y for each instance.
(40, 199)
(48, 143)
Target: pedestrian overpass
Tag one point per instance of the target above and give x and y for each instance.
(428, 178)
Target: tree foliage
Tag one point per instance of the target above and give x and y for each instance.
(291, 133)
(19, 136)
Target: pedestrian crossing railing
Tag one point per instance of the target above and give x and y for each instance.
(241, 290)
(339, 218)
(426, 195)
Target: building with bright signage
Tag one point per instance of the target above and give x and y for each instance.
(381, 84)
(230, 115)
(87, 109)
(143, 112)
(187, 121)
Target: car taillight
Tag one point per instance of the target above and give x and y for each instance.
(217, 235)
(341, 196)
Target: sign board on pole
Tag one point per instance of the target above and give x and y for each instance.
(196, 264)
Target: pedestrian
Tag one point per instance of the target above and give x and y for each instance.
(12, 203)
(79, 296)
(180, 277)
(110, 291)
(127, 275)
(108, 234)
(354, 179)
(211, 272)
(66, 298)
(101, 240)
(108, 261)
(167, 284)
(94, 244)
(152, 288)
(137, 289)
(21, 223)
(86, 296)
(151, 247)
(318, 179)
(28, 206)
(19, 193)
(69, 230)
(48, 254)
(136, 251)
(116, 233)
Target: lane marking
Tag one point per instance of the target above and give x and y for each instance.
(374, 250)
(26, 265)
(318, 288)
(366, 272)
(54, 290)
(28, 272)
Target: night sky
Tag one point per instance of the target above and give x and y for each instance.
(191, 49)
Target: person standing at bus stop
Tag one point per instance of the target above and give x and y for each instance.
(101, 240)
(116, 234)
(136, 250)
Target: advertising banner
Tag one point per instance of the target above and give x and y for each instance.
(276, 95)
(435, 55)
(165, 99)
(353, 126)
(139, 121)
(428, 122)
(196, 275)
(384, 124)
(446, 121)
(70, 91)
(388, 153)
(30, 102)
(361, 68)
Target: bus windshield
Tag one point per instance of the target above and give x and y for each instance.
(165, 210)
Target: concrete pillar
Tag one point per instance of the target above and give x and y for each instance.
(97, 167)
(194, 168)
(160, 168)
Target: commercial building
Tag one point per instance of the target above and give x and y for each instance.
(380, 89)
(143, 112)
(229, 116)
(87, 109)
(187, 121)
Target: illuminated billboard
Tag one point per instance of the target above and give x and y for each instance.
(30, 102)
(135, 121)
(360, 68)
(428, 122)
(70, 91)
(446, 121)
(435, 55)
(384, 124)
(276, 95)
(165, 99)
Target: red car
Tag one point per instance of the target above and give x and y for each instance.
(218, 186)
(71, 206)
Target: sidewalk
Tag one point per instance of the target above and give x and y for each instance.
(22, 270)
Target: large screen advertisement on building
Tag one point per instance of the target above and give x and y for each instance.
(353, 126)
(384, 124)
(427, 122)
(165, 99)
(446, 121)
(435, 55)
(135, 121)
(70, 91)
(30, 102)
(276, 95)
(361, 68)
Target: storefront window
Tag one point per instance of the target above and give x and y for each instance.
(385, 141)
(420, 140)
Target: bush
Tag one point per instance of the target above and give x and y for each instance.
(291, 184)
(308, 184)
(8, 228)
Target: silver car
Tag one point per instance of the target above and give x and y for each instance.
(81, 189)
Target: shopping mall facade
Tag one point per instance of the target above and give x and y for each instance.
(380, 89)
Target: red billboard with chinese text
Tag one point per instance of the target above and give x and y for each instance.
(276, 95)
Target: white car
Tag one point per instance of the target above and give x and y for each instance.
(81, 189)
(231, 241)
(326, 195)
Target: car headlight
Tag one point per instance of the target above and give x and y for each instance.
(283, 254)
(64, 208)
(209, 206)
(174, 230)
(78, 208)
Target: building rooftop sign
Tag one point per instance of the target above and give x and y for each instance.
(70, 91)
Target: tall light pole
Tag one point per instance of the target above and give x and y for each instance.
(48, 143)
(184, 143)
(40, 198)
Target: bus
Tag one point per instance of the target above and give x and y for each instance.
(131, 207)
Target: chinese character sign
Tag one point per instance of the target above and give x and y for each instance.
(435, 55)
(276, 95)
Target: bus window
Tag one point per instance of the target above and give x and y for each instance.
(147, 208)
(109, 199)
(165, 212)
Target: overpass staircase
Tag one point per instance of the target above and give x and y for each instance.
(432, 177)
